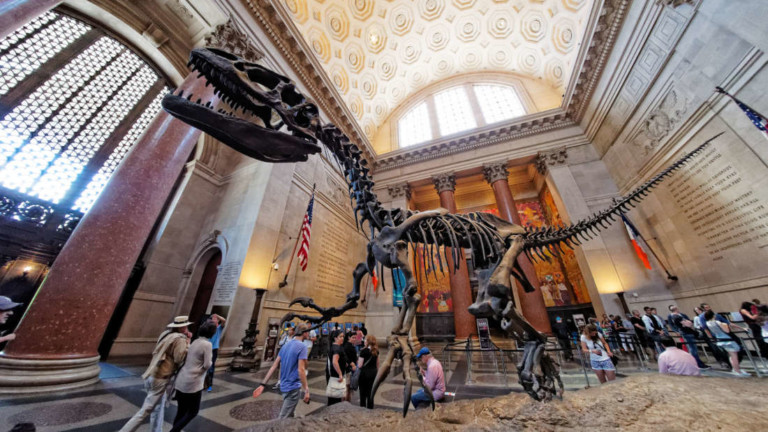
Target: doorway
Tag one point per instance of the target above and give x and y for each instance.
(204, 290)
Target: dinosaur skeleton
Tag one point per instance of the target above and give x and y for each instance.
(278, 124)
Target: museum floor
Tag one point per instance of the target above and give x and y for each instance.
(107, 405)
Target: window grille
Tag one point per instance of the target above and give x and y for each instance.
(498, 103)
(64, 119)
(414, 127)
(454, 113)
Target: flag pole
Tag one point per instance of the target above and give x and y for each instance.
(284, 282)
(669, 276)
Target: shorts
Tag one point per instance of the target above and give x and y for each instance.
(603, 365)
(729, 346)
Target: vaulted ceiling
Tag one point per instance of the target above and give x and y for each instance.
(378, 53)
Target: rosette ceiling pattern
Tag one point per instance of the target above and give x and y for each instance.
(378, 53)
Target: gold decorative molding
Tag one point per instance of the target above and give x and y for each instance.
(228, 38)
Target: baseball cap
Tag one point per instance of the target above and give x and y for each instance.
(422, 352)
(7, 304)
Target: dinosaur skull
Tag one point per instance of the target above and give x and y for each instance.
(260, 96)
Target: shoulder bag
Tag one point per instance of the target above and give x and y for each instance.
(334, 388)
(354, 379)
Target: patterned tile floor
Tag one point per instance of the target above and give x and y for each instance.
(106, 406)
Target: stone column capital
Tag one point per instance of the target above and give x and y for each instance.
(444, 182)
(495, 171)
(549, 158)
(228, 38)
(400, 190)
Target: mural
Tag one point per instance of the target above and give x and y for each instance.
(434, 285)
(572, 271)
(561, 281)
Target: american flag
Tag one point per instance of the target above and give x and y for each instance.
(306, 229)
(760, 122)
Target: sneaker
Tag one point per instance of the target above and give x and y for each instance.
(210, 389)
(745, 374)
(705, 367)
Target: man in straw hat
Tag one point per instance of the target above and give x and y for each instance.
(167, 358)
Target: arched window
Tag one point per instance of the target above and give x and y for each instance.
(458, 109)
(73, 100)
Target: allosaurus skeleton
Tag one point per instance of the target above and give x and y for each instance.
(278, 124)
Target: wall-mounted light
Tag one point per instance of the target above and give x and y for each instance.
(27, 269)
(275, 266)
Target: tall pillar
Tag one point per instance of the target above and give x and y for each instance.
(57, 339)
(461, 290)
(532, 303)
(16, 13)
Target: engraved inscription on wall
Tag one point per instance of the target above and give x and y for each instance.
(226, 284)
(721, 207)
(334, 274)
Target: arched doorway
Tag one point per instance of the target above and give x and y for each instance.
(205, 289)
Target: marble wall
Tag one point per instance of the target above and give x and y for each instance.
(708, 221)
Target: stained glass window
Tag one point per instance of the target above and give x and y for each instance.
(51, 135)
(414, 128)
(498, 102)
(454, 113)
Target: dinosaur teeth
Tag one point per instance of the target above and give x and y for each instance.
(189, 97)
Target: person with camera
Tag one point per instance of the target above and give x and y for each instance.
(600, 355)
(292, 360)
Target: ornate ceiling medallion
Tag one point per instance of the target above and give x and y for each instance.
(340, 78)
(534, 25)
(500, 24)
(468, 28)
(431, 9)
(319, 43)
(375, 37)
(563, 35)
(298, 10)
(337, 23)
(437, 37)
(386, 67)
(401, 19)
(353, 54)
(361, 9)
(410, 50)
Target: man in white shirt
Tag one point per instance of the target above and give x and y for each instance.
(308, 342)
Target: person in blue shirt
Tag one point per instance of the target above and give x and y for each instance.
(292, 360)
(219, 321)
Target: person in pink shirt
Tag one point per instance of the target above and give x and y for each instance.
(675, 361)
(434, 379)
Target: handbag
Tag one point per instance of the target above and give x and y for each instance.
(334, 388)
(354, 379)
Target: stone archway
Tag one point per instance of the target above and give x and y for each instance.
(215, 243)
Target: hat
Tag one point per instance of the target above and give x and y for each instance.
(7, 304)
(180, 321)
(422, 352)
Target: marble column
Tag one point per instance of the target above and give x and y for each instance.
(16, 13)
(532, 304)
(57, 340)
(461, 290)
